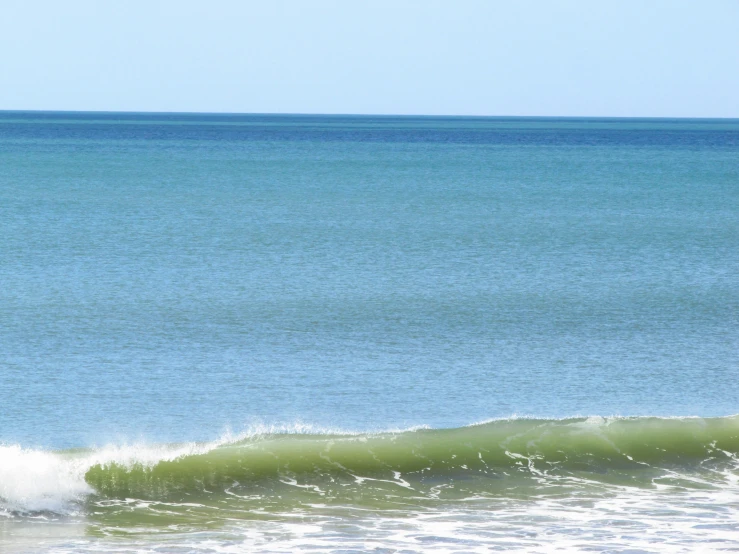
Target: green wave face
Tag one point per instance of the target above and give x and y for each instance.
(516, 458)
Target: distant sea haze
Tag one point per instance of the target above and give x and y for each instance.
(227, 333)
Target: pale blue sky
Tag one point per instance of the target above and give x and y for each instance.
(472, 57)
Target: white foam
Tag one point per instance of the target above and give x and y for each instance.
(645, 520)
(38, 480)
(35, 480)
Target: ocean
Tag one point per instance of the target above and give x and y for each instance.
(297, 333)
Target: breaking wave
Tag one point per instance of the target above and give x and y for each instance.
(501, 457)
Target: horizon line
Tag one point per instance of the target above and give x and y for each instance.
(337, 114)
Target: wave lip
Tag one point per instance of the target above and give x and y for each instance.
(55, 481)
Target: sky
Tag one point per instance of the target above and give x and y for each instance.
(620, 58)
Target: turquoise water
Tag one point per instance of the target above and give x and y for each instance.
(273, 333)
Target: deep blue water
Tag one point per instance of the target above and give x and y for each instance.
(166, 276)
